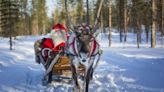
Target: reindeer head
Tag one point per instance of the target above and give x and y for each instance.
(81, 41)
(84, 36)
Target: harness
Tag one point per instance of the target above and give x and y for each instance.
(95, 53)
(73, 46)
(94, 46)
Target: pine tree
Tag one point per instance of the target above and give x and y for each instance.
(39, 18)
(162, 20)
(80, 12)
(121, 18)
(34, 17)
(110, 22)
(87, 15)
(9, 17)
(154, 21)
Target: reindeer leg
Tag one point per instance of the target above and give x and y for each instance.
(91, 74)
(74, 76)
(87, 78)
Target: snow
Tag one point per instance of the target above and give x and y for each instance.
(122, 68)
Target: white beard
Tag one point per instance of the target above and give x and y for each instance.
(57, 40)
(58, 37)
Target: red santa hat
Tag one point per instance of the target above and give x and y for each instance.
(59, 26)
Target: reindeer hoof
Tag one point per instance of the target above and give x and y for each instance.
(76, 89)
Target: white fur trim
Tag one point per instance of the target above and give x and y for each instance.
(48, 49)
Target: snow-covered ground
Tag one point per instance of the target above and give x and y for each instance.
(122, 68)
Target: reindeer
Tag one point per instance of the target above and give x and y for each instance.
(83, 49)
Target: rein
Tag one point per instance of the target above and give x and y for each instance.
(72, 44)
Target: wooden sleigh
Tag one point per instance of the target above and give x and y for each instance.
(62, 67)
(61, 70)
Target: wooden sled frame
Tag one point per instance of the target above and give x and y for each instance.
(60, 68)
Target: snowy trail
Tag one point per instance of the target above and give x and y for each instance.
(120, 70)
(131, 74)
